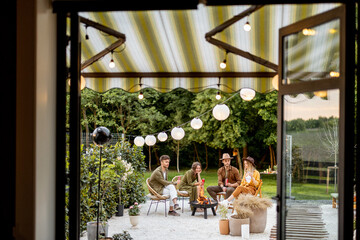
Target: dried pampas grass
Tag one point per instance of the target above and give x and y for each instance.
(252, 202)
(242, 212)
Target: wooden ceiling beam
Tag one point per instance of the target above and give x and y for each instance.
(93, 59)
(102, 28)
(237, 51)
(233, 20)
(178, 74)
(227, 47)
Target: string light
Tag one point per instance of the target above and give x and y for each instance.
(223, 63)
(247, 26)
(141, 96)
(86, 34)
(112, 63)
(218, 96)
(247, 94)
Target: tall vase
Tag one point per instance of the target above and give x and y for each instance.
(134, 220)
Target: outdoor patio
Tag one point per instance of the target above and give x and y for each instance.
(196, 227)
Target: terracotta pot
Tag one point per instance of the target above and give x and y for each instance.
(134, 220)
(224, 226)
(235, 225)
(258, 221)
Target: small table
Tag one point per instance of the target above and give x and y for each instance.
(197, 205)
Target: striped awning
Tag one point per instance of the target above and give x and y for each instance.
(165, 50)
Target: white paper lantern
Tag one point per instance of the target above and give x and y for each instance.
(150, 140)
(177, 133)
(139, 141)
(196, 123)
(162, 137)
(247, 94)
(221, 112)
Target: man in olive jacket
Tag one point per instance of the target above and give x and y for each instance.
(158, 181)
(228, 178)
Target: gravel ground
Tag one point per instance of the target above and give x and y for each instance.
(157, 226)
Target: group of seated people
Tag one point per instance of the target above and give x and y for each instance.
(229, 181)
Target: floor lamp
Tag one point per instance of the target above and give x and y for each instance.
(101, 136)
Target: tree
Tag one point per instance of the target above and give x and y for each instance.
(330, 140)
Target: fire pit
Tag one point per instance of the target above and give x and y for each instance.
(197, 205)
(204, 203)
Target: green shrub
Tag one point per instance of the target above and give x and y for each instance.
(113, 168)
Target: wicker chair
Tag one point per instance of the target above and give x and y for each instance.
(156, 197)
(181, 194)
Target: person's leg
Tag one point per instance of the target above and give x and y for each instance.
(167, 192)
(229, 191)
(212, 190)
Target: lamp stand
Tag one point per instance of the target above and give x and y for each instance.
(98, 202)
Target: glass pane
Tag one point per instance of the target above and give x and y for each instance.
(312, 53)
(311, 145)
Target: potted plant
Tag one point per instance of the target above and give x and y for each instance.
(123, 169)
(224, 221)
(125, 235)
(259, 208)
(241, 216)
(134, 214)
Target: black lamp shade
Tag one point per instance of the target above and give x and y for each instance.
(101, 135)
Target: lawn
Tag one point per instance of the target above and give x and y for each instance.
(301, 191)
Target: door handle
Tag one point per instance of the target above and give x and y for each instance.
(277, 198)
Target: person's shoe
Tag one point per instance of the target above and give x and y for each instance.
(224, 203)
(177, 207)
(173, 213)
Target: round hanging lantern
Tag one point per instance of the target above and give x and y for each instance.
(101, 135)
(139, 141)
(162, 137)
(82, 82)
(275, 82)
(247, 94)
(221, 112)
(321, 94)
(177, 133)
(196, 123)
(150, 140)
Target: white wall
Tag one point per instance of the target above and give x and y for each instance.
(45, 121)
(35, 120)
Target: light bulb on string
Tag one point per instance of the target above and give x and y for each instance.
(112, 63)
(218, 96)
(247, 26)
(141, 95)
(86, 34)
(223, 64)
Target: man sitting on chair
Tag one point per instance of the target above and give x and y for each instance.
(249, 183)
(158, 181)
(228, 178)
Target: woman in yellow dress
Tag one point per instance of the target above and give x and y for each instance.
(250, 181)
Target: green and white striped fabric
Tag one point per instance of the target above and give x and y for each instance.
(174, 41)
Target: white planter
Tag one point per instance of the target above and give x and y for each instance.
(91, 230)
(235, 225)
(134, 220)
(258, 221)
